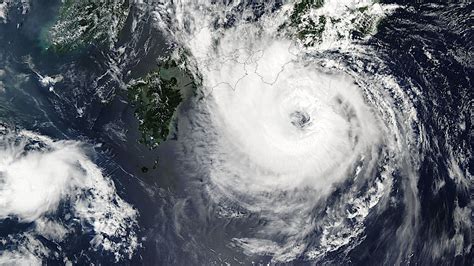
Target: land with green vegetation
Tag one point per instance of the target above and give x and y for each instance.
(156, 99)
(304, 26)
(85, 22)
(355, 22)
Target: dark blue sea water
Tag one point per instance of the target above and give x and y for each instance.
(427, 46)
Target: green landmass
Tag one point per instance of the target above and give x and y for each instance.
(366, 24)
(156, 99)
(310, 29)
(84, 22)
(301, 8)
(304, 26)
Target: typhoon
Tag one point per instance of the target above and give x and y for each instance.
(236, 132)
(300, 138)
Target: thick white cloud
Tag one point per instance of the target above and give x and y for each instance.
(38, 173)
(34, 182)
(280, 127)
(3, 11)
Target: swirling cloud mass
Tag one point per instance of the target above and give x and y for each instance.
(281, 127)
(39, 177)
(271, 132)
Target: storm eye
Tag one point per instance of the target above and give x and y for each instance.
(300, 119)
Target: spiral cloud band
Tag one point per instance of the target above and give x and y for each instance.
(281, 127)
(292, 133)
